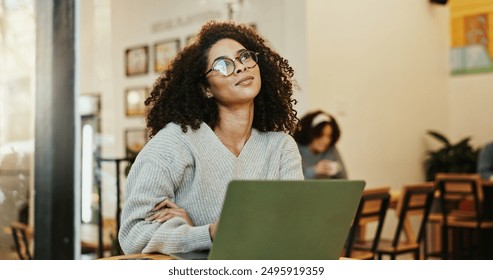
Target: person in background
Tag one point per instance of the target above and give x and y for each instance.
(317, 141)
(223, 110)
(485, 162)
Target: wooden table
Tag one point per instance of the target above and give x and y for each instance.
(156, 256)
(435, 219)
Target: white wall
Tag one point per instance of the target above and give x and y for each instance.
(381, 68)
(471, 108)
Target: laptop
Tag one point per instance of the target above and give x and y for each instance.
(283, 220)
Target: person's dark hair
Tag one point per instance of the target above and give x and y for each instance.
(178, 96)
(307, 133)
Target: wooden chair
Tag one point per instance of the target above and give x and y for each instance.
(373, 207)
(116, 249)
(462, 216)
(89, 238)
(22, 235)
(415, 201)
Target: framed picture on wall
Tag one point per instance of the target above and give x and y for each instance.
(135, 139)
(137, 60)
(164, 53)
(134, 101)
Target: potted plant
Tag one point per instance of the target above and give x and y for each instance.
(452, 158)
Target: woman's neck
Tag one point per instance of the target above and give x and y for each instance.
(234, 129)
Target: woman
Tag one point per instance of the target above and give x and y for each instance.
(223, 110)
(485, 162)
(317, 141)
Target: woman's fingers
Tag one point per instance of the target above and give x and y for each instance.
(180, 212)
(164, 218)
(167, 203)
(160, 216)
(160, 205)
(165, 214)
(171, 204)
(153, 216)
(156, 215)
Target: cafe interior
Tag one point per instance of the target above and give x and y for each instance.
(408, 81)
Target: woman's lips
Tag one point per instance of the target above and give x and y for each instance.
(246, 79)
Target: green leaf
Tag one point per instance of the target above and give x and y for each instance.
(439, 137)
(460, 157)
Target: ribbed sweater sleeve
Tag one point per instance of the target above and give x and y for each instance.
(155, 176)
(291, 161)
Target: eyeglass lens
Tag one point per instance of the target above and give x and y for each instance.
(226, 66)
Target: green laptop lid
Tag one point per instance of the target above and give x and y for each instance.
(292, 220)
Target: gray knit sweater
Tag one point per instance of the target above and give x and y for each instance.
(193, 169)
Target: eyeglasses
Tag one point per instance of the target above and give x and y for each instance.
(226, 66)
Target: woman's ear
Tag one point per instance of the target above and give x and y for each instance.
(207, 91)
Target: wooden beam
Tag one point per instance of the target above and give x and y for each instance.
(55, 132)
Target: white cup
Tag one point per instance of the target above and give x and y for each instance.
(335, 167)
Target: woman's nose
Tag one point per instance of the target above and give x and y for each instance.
(239, 67)
(327, 141)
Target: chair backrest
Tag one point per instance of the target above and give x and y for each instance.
(90, 238)
(416, 200)
(373, 206)
(456, 188)
(21, 234)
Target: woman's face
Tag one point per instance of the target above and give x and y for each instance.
(321, 143)
(239, 88)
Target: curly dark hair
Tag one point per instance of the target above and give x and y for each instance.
(178, 94)
(307, 133)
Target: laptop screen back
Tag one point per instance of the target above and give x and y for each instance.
(286, 219)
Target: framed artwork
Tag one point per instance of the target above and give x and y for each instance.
(134, 101)
(137, 61)
(471, 49)
(164, 53)
(135, 139)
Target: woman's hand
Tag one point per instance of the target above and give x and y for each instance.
(327, 168)
(166, 210)
(212, 230)
(323, 168)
